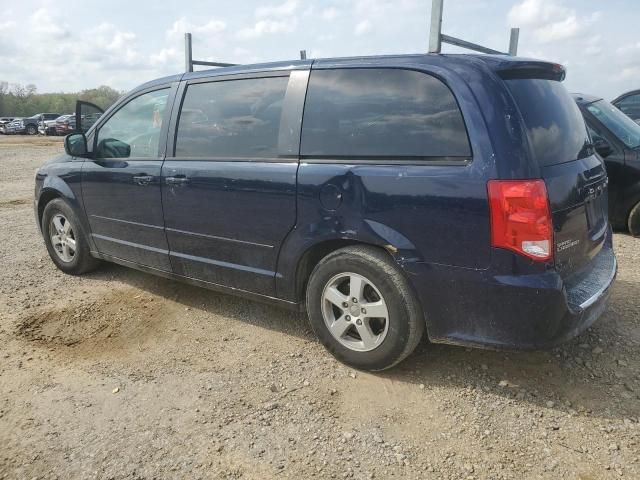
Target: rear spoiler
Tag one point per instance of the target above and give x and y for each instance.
(532, 70)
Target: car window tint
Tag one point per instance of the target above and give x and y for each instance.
(134, 130)
(381, 113)
(231, 118)
(555, 127)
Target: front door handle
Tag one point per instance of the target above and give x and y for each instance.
(177, 180)
(142, 179)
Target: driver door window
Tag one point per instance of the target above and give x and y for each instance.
(134, 130)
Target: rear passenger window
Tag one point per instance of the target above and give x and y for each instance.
(231, 118)
(381, 113)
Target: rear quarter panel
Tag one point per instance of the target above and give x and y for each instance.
(435, 214)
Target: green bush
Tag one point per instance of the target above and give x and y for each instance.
(24, 101)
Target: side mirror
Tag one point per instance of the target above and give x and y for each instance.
(602, 147)
(75, 145)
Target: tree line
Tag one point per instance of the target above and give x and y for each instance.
(24, 100)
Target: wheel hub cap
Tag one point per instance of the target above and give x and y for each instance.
(355, 312)
(63, 238)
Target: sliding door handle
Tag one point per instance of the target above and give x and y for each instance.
(142, 179)
(177, 180)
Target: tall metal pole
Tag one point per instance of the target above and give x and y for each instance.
(188, 53)
(435, 40)
(513, 41)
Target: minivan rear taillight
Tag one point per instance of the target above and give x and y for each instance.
(520, 217)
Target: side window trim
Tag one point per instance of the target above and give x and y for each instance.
(162, 146)
(288, 149)
(436, 160)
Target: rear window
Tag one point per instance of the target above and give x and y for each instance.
(555, 127)
(381, 113)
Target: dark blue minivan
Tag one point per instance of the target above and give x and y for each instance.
(453, 197)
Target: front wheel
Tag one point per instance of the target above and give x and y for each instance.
(634, 221)
(363, 309)
(65, 240)
(31, 130)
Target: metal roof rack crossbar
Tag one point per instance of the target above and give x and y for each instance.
(436, 39)
(189, 62)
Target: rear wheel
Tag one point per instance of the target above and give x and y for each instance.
(363, 309)
(634, 221)
(31, 130)
(65, 240)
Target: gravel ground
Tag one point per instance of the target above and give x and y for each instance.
(119, 374)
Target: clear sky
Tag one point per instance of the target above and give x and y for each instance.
(71, 45)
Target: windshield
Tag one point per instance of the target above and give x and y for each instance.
(625, 129)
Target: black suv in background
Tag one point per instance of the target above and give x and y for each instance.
(30, 125)
(617, 139)
(629, 103)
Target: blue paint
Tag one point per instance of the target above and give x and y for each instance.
(252, 225)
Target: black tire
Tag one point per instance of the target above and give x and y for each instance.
(405, 324)
(634, 221)
(32, 129)
(81, 261)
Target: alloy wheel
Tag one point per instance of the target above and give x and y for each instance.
(355, 312)
(62, 237)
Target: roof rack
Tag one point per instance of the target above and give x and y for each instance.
(436, 39)
(189, 62)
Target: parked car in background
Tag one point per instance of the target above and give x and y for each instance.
(14, 126)
(629, 104)
(373, 193)
(89, 119)
(30, 125)
(65, 125)
(48, 127)
(3, 122)
(617, 139)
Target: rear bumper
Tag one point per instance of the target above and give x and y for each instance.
(514, 311)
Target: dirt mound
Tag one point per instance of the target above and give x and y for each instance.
(119, 316)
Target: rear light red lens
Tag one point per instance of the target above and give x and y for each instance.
(520, 217)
